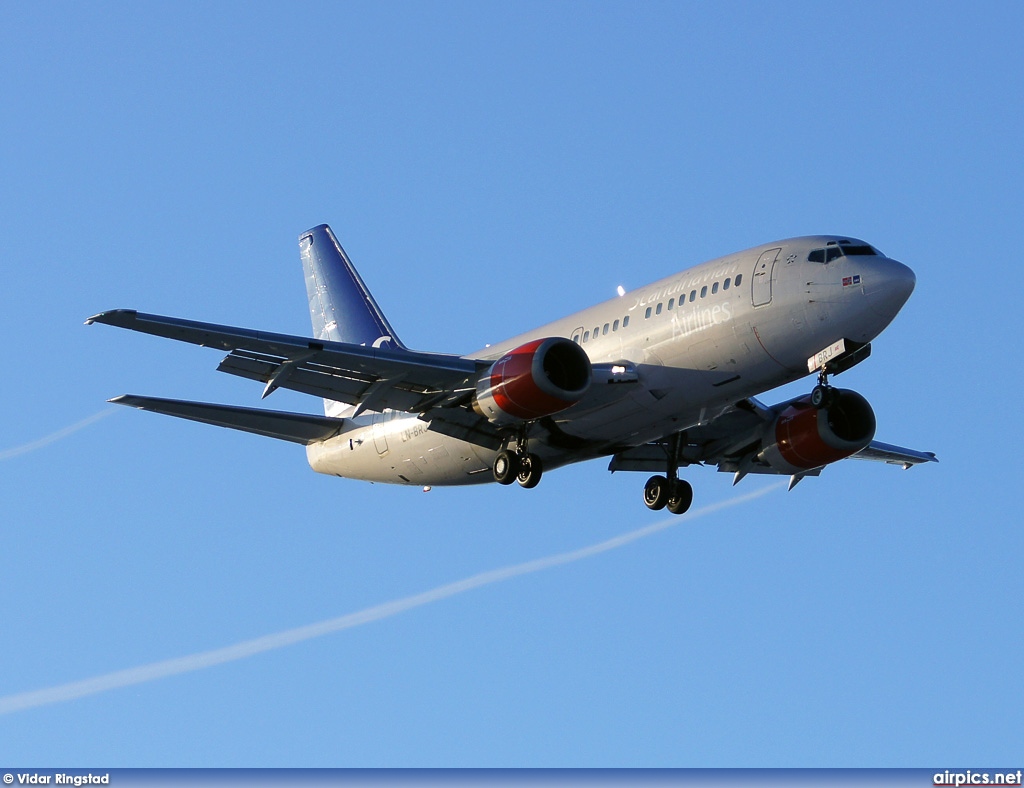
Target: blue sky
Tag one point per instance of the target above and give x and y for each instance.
(489, 167)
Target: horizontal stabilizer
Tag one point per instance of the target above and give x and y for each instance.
(296, 427)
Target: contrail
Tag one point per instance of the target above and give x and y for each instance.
(56, 436)
(248, 648)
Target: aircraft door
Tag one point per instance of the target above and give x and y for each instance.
(761, 281)
(577, 335)
(380, 438)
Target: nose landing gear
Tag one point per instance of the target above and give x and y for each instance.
(823, 395)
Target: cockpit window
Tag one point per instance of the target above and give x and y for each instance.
(834, 250)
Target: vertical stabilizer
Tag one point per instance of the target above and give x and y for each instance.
(340, 307)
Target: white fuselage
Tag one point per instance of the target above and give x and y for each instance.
(700, 341)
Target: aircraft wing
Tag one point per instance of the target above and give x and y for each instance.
(726, 436)
(894, 455)
(296, 427)
(731, 440)
(368, 377)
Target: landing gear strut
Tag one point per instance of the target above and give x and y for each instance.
(669, 491)
(822, 395)
(519, 465)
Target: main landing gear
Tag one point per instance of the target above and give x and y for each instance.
(519, 465)
(669, 491)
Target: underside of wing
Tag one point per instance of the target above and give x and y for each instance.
(727, 437)
(793, 438)
(295, 427)
(894, 455)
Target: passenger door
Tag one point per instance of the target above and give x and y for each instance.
(761, 282)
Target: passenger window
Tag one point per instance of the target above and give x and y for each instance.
(586, 335)
(576, 339)
(714, 288)
(671, 303)
(605, 329)
(703, 291)
(693, 295)
(615, 326)
(647, 313)
(725, 284)
(625, 321)
(658, 310)
(739, 278)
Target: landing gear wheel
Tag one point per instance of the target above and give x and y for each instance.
(680, 497)
(656, 493)
(506, 467)
(822, 396)
(530, 470)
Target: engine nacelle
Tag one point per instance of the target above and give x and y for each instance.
(804, 437)
(537, 379)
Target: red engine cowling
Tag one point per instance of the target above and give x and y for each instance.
(804, 437)
(534, 380)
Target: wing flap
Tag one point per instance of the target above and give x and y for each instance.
(295, 427)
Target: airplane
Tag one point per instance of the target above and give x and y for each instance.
(657, 379)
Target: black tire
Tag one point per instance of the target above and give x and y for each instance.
(506, 467)
(656, 493)
(680, 498)
(530, 470)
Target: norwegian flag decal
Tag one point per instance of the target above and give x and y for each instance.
(849, 281)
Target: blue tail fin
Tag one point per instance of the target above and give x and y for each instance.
(340, 306)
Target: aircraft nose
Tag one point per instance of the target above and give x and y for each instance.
(892, 283)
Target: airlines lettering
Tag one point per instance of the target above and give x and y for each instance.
(690, 321)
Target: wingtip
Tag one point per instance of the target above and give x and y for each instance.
(112, 317)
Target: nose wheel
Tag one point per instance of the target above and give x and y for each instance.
(823, 395)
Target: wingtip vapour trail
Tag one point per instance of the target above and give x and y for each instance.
(248, 648)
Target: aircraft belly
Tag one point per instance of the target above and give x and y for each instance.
(399, 449)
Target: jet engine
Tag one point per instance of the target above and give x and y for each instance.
(803, 437)
(537, 379)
